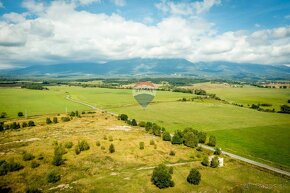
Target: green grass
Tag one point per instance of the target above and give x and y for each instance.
(35, 102)
(253, 95)
(266, 142)
(240, 130)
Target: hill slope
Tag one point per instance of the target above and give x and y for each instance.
(157, 67)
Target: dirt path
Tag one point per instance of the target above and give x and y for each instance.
(169, 165)
(265, 166)
(261, 165)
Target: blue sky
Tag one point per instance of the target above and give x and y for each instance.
(240, 30)
(230, 15)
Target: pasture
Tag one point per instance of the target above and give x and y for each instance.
(97, 170)
(258, 135)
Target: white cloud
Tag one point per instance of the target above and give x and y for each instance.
(287, 16)
(61, 33)
(1, 5)
(186, 8)
(86, 2)
(119, 3)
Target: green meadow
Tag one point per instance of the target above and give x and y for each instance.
(249, 95)
(258, 135)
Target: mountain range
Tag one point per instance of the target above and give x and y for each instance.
(155, 67)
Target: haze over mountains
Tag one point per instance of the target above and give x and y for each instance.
(155, 67)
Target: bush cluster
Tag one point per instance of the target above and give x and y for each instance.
(81, 146)
(6, 167)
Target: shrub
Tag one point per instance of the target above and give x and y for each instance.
(27, 156)
(148, 126)
(65, 119)
(194, 177)
(72, 114)
(105, 137)
(1, 126)
(199, 148)
(156, 129)
(48, 121)
(166, 136)
(77, 150)
(14, 125)
(31, 124)
(217, 151)
(205, 161)
(141, 145)
(172, 153)
(83, 112)
(58, 153)
(54, 120)
(214, 162)
(110, 138)
(142, 124)
(24, 124)
(170, 170)
(53, 176)
(155, 146)
(34, 164)
(212, 141)
(98, 143)
(103, 148)
(3, 115)
(4, 168)
(161, 177)
(32, 190)
(83, 145)
(68, 145)
(176, 139)
(20, 114)
(152, 142)
(112, 148)
(14, 166)
(40, 157)
(134, 122)
(123, 117)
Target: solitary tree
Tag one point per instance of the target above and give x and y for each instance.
(112, 148)
(205, 161)
(194, 177)
(20, 114)
(161, 177)
(141, 145)
(134, 122)
(214, 162)
(31, 123)
(58, 152)
(48, 121)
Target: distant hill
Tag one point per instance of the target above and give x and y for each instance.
(156, 67)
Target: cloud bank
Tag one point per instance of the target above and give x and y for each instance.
(58, 32)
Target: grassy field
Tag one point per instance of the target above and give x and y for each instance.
(258, 135)
(248, 95)
(35, 102)
(97, 170)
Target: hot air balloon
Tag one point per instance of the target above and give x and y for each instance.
(144, 93)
